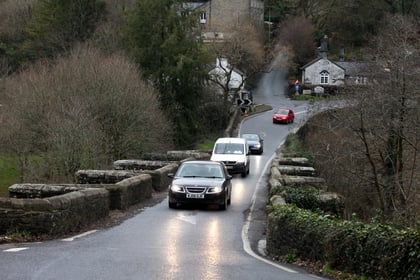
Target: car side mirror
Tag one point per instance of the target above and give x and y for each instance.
(229, 177)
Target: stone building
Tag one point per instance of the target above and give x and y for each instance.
(219, 17)
(325, 72)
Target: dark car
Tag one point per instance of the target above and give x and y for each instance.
(200, 182)
(255, 142)
(284, 115)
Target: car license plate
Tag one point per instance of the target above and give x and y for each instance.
(229, 167)
(195, 195)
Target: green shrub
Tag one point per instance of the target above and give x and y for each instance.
(374, 250)
(9, 175)
(293, 147)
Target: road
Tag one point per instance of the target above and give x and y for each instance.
(187, 243)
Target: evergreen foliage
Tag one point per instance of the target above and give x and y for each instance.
(160, 39)
(58, 24)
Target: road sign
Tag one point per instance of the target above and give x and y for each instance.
(247, 102)
(239, 102)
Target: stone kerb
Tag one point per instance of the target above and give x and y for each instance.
(54, 215)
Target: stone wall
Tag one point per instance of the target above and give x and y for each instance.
(130, 191)
(62, 208)
(289, 174)
(54, 215)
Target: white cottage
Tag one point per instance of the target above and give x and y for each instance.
(222, 72)
(322, 71)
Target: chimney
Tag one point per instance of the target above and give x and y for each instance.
(323, 50)
(341, 54)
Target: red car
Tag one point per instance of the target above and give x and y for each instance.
(284, 115)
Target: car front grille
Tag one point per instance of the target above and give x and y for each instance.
(195, 189)
(229, 162)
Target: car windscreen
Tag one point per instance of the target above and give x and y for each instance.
(200, 170)
(229, 148)
(251, 137)
(283, 112)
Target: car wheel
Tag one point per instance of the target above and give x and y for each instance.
(244, 173)
(224, 205)
(172, 205)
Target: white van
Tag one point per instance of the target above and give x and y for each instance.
(234, 153)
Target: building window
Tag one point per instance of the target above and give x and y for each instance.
(325, 77)
(203, 17)
(360, 80)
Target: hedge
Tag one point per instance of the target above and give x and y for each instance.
(373, 250)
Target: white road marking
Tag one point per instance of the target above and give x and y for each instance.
(16, 249)
(78, 236)
(245, 228)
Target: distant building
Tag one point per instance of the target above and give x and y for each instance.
(218, 17)
(324, 72)
(222, 71)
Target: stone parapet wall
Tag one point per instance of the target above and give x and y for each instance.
(176, 155)
(130, 191)
(296, 173)
(103, 176)
(63, 208)
(44, 190)
(160, 179)
(54, 215)
(140, 165)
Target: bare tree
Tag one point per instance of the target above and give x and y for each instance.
(296, 38)
(82, 111)
(370, 150)
(243, 49)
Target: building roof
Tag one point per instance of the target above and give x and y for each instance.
(318, 59)
(192, 5)
(352, 68)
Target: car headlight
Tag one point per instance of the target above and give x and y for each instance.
(257, 145)
(177, 188)
(215, 189)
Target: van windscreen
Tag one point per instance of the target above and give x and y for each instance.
(229, 148)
